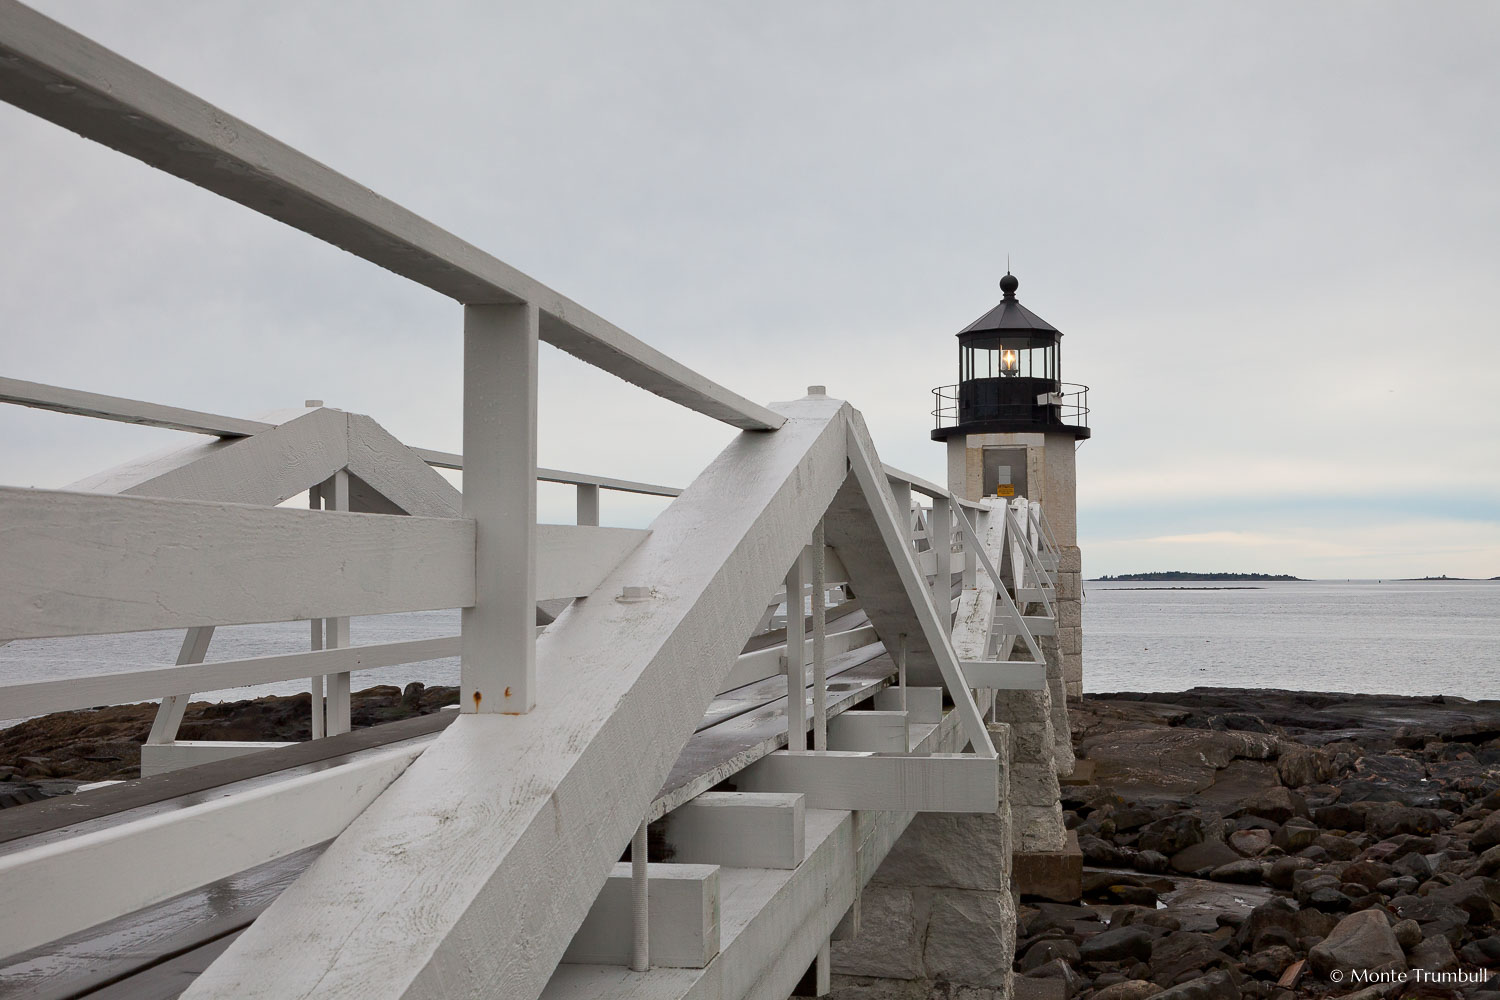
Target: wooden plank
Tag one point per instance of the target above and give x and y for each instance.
(79, 563)
(265, 469)
(865, 527)
(718, 752)
(1005, 675)
(28, 698)
(52, 819)
(453, 460)
(500, 433)
(738, 830)
(960, 783)
(1039, 625)
(159, 758)
(130, 411)
(923, 705)
(76, 883)
(875, 732)
(573, 559)
(683, 922)
(397, 473)
(64, 77)
(90, 960)
(475, 868)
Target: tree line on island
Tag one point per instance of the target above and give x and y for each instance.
(1175, 575)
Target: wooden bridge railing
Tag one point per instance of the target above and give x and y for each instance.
(470, 862)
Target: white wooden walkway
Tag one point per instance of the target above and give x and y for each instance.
(619, 686)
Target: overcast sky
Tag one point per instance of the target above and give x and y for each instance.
(1269, 232)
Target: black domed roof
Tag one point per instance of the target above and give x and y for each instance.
(1010, 317)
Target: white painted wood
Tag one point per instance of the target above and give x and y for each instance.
(763, 663)
(500, 401)
(923, 705)
(396, 473)
(453, 460)
(80, 563)
(772, 921)
(107, 98)
(572, 559)
(817, 552)
(738, 830)
(845, 780)
(474, 870)
(27, 698)
(895, 595)
(875, 732)
(942, 552)
(1041, 626)
(336, 704)
(796, 715)
(130, 411)
(173, 706)
(159, 758)
(588, 504)
(1005, 675)
(266, 469)
(684, 928)
(80, 881)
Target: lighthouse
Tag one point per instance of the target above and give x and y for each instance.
(1012, 427)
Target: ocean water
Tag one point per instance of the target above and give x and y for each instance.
(1364, 636)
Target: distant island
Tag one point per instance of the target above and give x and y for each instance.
(1175, 575)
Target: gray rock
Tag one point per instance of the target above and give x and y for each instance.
(1434, 954)
(887, 944)
(970, 938)
(1484, 952)
(1131, 989)
(1218, 985)
(1117, 945)
(1072, 981)
(1044, 951)
(1435, 916)
(1152, 862)
(1171, 834)
(950, 850)
(1488, 864)
(1250, 843)
(1361, 940)
(1203, 857)
(1298, 765)
(1282, 871)
(1277, 804)
(1295, 834)
(1246, 871)
(1488, 834)
(1408, 934)
(1269, 963)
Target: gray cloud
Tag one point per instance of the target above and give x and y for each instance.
(1267, 230)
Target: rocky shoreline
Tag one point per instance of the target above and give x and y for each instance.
(1253, 843)
(1239, 843)
(54, 754)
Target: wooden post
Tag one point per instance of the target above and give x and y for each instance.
(940, 543)
(169, 713)
(796, 675)
(500, 398)
(820, 635)
(902, 491)
(336, 630)
(315, 641)
(588, 504)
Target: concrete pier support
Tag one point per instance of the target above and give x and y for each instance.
(938, 918)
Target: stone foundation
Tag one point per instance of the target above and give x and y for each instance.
(938, 919)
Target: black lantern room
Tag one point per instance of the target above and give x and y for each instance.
(1010, 377)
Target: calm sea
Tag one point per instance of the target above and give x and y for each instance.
(1377, 637)
(1368, 636)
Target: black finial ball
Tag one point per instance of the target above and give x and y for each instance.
(1009, 284)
